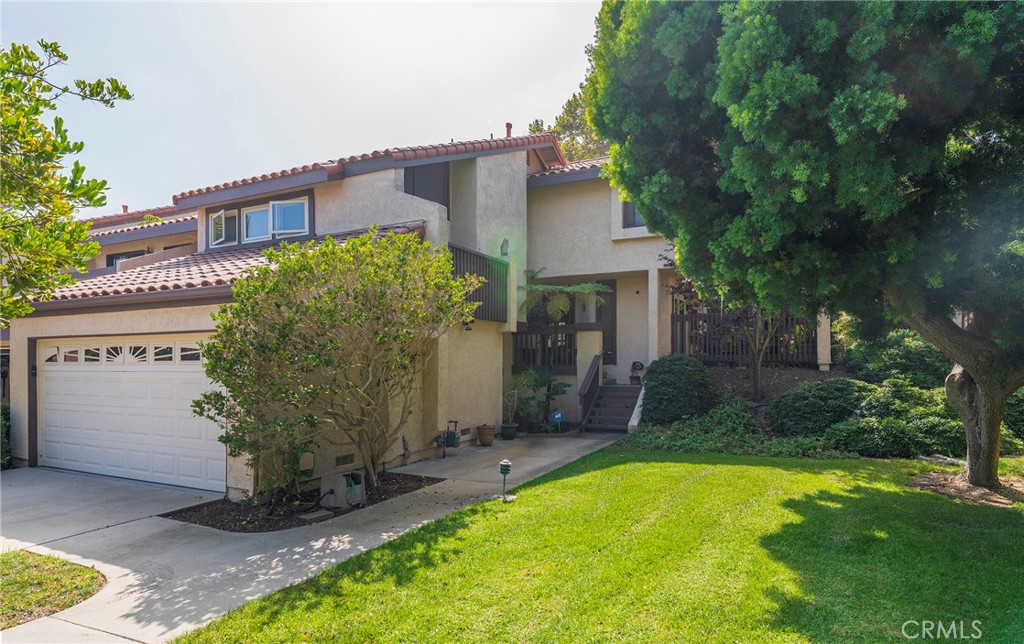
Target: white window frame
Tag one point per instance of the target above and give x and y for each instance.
(220, 241)
(244, 216)
(290, 232)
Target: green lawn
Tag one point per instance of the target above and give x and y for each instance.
(34, 586)
(638, 546)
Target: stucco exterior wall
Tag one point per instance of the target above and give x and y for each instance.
(501, 198)
(571, 228)
(155, 244)
(475, 364)
(632, 320)
(463, 203)
(373, 198)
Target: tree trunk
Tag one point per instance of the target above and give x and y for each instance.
(980, 406)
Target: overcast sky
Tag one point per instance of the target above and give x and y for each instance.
(230, 90)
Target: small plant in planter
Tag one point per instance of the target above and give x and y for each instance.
(517, 400)
(634, 372)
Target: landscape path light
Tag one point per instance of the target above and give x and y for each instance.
(505, 467)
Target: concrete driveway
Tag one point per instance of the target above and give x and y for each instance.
(165, 577)
(42, 505)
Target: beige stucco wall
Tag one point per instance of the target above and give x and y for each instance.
(361, 201)
(576, 234)
(463, 203)
(154, 244)
(475, 365)
(571, 228)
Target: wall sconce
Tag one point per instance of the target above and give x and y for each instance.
(504, 247)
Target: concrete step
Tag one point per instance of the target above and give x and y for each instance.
(599, 427)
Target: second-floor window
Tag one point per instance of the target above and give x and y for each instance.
(259, 222)
(630, 217)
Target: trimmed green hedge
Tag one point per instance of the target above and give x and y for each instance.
(675, 387)
(812, 407)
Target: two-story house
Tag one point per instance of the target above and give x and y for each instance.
(103, 374)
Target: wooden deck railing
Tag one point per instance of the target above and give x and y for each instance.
(552, 349)
(712, 338)
(492, 294)
(589, 387)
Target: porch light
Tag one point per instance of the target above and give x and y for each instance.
(504, 247)
(505, 467)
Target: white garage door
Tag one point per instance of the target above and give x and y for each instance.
(122, 407)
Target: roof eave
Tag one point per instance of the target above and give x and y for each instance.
(196, 296)
(571, 176)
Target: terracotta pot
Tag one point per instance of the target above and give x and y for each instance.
(485, 434)
(508, 431)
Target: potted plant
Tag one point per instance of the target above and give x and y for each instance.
(485, 434)
(515, 396)
(634, 372)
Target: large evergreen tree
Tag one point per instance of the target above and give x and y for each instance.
(865, 157)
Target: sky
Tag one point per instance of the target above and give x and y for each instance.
(230, 90)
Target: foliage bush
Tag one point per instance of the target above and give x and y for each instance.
(675, 387)
(877, 437)
(1013, 417)
(812, 407)
(801, 447)
(902, 354)
(5, 435)
(730, 428)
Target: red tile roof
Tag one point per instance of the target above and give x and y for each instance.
(155, 224)
(575, 166)
(123, 217)
(199, 270)
(396, 155)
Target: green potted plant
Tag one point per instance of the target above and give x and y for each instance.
(516, 397)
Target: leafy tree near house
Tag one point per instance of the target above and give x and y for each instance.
(40, 241)
(326, 345)
(863, 157)
(573, 131)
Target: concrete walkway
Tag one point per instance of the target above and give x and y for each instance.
(165, 577)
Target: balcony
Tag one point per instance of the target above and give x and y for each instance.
(493, 293)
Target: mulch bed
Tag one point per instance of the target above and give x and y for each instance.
(952, 485)
(250, 517)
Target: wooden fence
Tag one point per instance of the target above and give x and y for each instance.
(720, 338)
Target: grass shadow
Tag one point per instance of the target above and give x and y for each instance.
(870, 560)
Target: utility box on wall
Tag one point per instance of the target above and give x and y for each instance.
(342, 489)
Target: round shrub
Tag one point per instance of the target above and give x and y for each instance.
(904, 354)
(811, 407)
(877, 437)
(675, 387)
(899, 398)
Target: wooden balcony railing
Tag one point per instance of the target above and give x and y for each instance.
(492, 294)
(552, 349)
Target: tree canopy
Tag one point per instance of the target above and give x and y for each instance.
(40, 241)
(324, 345)
(573, 131)
(864, 156)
